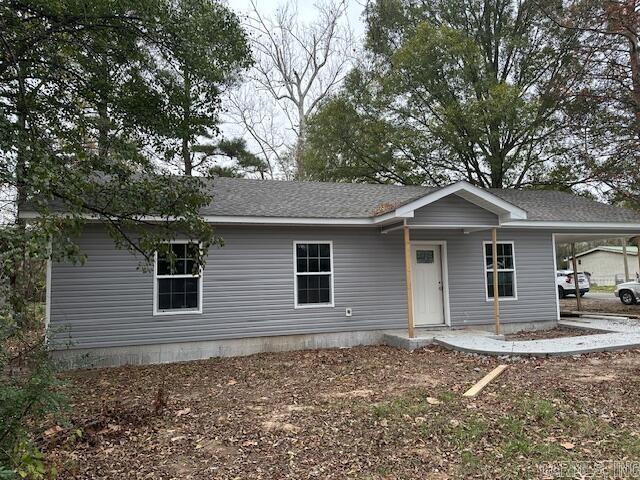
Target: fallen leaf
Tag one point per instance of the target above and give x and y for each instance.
(433, 401)
(53, 431)
(568, 445)
(182, 412)
(232, 382)
(112, 427)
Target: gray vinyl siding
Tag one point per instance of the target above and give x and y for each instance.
(535, 276)
(248, 288)
(453, 210)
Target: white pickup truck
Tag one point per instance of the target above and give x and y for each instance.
(566, 286)
(628, 292)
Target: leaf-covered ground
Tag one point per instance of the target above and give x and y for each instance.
(367, 412)
(612, 305)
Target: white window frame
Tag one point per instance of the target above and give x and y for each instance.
(296, 274)
(156, 277)
(487, 269)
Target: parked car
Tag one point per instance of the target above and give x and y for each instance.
(566, 285)
(628, 292)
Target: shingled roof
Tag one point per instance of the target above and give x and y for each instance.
(240, 197)
(275, 198)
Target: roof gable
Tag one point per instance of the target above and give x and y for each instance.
(488, 201)
(453, 210)
(633, 251)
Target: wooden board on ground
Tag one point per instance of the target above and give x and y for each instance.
(477, 388)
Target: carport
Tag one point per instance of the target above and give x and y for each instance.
(620, 233)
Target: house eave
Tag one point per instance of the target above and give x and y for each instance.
(604, 227)
(382, 220)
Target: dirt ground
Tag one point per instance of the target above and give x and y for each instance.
(557, 332)
(366, 413)
(612, 305)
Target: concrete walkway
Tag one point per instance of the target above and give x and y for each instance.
(620, 334)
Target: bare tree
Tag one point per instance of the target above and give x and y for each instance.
(298, 65)
(264, 127)
(610, 101)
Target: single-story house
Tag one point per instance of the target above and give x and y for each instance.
(605, 264)
(308, 264)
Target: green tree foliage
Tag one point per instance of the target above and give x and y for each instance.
(240, 160)
(86, 110)
(452, 89)
(204, 50)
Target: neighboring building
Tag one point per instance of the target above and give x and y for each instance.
(307, 265)
(606, 264)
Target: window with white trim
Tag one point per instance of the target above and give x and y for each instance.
(506, 269)
(178, 279)
(313, 274)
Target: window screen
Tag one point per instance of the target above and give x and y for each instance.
(506, 269)
(178, 279)
(313, 273)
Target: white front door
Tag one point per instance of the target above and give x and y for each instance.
(426, 271)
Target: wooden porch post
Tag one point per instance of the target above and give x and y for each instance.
(625, 259)
(496, 294)
(407, 268)
(576, 282)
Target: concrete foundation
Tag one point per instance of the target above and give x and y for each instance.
(178, 352)
(73, 358)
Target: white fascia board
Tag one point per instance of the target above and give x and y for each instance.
(242, 220)
(471, 193)
(394, 215)
(605, 227)
(589, 251)
(223, 219)
(607, 249)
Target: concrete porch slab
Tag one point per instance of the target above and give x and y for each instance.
(542, 348)
(619, 334)
(426, 337)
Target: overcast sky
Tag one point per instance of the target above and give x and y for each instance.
(306, 10)
(306, 14)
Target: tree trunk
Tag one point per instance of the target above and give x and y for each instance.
(186, 127)
(299, 148)
(21, 153)
(630, 31)
(16, 294)
(634, 62)
(103, 131)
